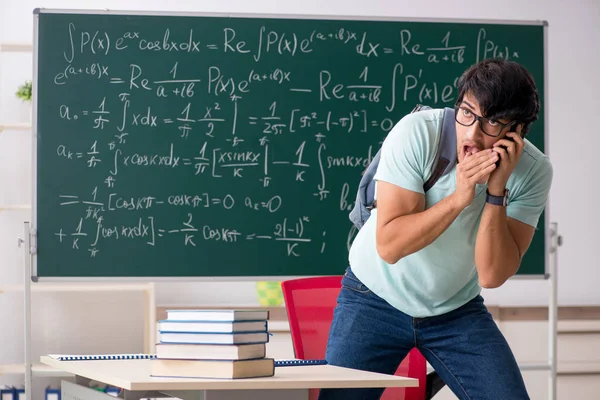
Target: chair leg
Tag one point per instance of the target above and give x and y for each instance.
(434, 385)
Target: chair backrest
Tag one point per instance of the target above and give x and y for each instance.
(310, 303)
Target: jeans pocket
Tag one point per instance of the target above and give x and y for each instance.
(351, 282)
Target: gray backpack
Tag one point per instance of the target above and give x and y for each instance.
(446, 158)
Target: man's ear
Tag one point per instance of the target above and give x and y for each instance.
(519, 128)
(520, 131)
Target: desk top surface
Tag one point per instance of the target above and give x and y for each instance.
(135, 375)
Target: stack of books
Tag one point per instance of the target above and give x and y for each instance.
(217, 343)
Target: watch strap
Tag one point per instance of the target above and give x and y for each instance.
(497, 200)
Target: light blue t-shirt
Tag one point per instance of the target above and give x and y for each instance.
(442, 276)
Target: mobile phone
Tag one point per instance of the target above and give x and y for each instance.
(512, 129)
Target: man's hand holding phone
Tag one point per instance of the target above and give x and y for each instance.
(509, 150)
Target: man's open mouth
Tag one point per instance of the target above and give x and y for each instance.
(470, 150)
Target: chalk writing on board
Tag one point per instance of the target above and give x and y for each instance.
(200, 122)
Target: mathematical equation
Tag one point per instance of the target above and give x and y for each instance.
(285, 141)
(289, 231)
(267, 41)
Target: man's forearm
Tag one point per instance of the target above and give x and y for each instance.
(408, 234)
(497, 256)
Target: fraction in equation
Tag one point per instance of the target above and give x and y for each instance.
(292, 233)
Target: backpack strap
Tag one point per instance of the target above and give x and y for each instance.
(447, 150)
(365, 196)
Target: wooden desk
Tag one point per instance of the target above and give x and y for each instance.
(134, 377)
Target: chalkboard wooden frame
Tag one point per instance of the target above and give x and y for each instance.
(83, 276)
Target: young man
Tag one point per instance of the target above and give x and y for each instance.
(418, 265)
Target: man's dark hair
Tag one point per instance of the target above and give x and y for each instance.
(504, 90)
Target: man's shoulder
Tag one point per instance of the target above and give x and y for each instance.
(534, 168)
(534, 159)
(431, 115)
(529, 185)
(421, 127)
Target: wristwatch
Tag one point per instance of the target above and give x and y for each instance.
(497, 200)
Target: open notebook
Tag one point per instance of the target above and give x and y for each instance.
(91, 357)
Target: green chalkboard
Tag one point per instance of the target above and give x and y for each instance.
(171, 145)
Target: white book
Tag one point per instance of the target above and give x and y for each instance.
(210, 351)
(212, 326)
(214, 338)
(217, 315)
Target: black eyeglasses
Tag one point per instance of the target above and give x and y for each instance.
(466, 117)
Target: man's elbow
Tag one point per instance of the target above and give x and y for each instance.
(491, 281)
(387, 254)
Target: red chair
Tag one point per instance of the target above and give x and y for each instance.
(309, 303)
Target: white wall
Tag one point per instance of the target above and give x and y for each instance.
(573, 108)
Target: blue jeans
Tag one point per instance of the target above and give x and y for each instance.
(464, 346)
